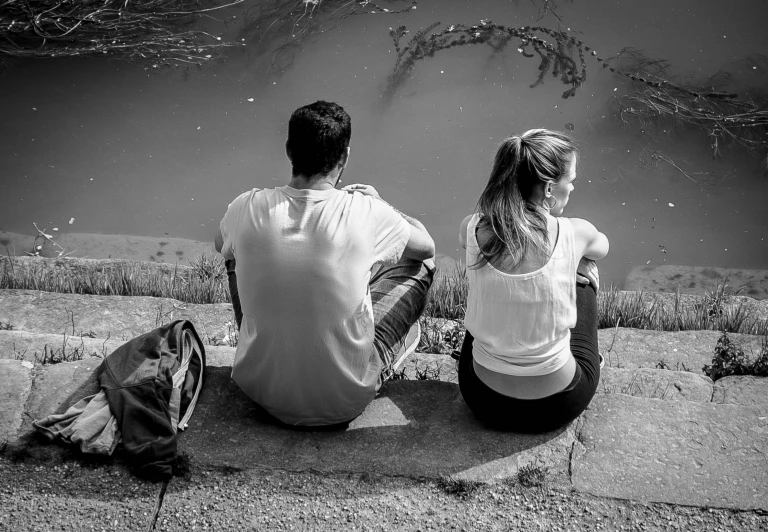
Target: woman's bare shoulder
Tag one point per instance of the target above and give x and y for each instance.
(583, 226)
(463, 230)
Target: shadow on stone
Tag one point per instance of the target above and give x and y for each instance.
(414, 429)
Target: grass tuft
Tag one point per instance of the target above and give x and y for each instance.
(182, 466)
(532, 475)
(459, 487)
(205, 282)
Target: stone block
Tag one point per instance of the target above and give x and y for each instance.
(15, 385)
(677, 351)
(118, 318)
(677, 452)
(741, 390)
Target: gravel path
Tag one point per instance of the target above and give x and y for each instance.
(279, 500)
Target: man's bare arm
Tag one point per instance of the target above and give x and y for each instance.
(218, 241)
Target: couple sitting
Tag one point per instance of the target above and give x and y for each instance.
(327, 282)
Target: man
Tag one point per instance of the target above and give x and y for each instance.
(319, 330)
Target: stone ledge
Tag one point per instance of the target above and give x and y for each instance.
(679, 452)
(116, 317)
(678, 351)
(741, 390)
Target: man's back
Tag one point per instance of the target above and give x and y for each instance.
(304, 260)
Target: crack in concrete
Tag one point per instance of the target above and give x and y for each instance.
(158, 506)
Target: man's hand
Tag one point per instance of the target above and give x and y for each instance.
(368, 190)
(587, 273)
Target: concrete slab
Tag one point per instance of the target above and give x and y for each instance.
(15, 385)
(656, 384)
(67, 496)
(116, 317)
(697, 279)
(741, 390)
(413, 428)
(679, 452)
(678, 351)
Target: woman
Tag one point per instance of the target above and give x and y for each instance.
(530, 360)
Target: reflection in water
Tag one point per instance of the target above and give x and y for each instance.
(124, 150)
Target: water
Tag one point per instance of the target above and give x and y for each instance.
(128, 151)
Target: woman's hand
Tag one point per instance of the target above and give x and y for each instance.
(587, 273)
(368, 190)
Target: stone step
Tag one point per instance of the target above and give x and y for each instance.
(39, 348)
(638, 382)
(122, 318)
(679, 452)
(741, 390)
(680, 351)
(42, 348)
(114, 317)
(424, 429)
(15, 386)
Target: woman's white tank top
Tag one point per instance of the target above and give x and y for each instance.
(521, 322)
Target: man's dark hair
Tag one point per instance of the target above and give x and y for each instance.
(318, 135)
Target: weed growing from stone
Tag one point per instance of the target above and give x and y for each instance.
(65, 353)
(634, 389)
(532, 475)
(729, 359)
(428, 373)
(459, 487)
(182, 466)
(17, 354)
(5, 326)
(439, 336)
(398, 375)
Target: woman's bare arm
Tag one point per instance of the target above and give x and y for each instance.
(592, 243)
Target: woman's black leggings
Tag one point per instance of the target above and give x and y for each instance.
(547, 413)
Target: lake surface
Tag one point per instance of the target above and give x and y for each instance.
(157, 152)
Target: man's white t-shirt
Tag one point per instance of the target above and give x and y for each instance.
(304, 258)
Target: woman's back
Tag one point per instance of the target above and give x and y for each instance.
(521, 317)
